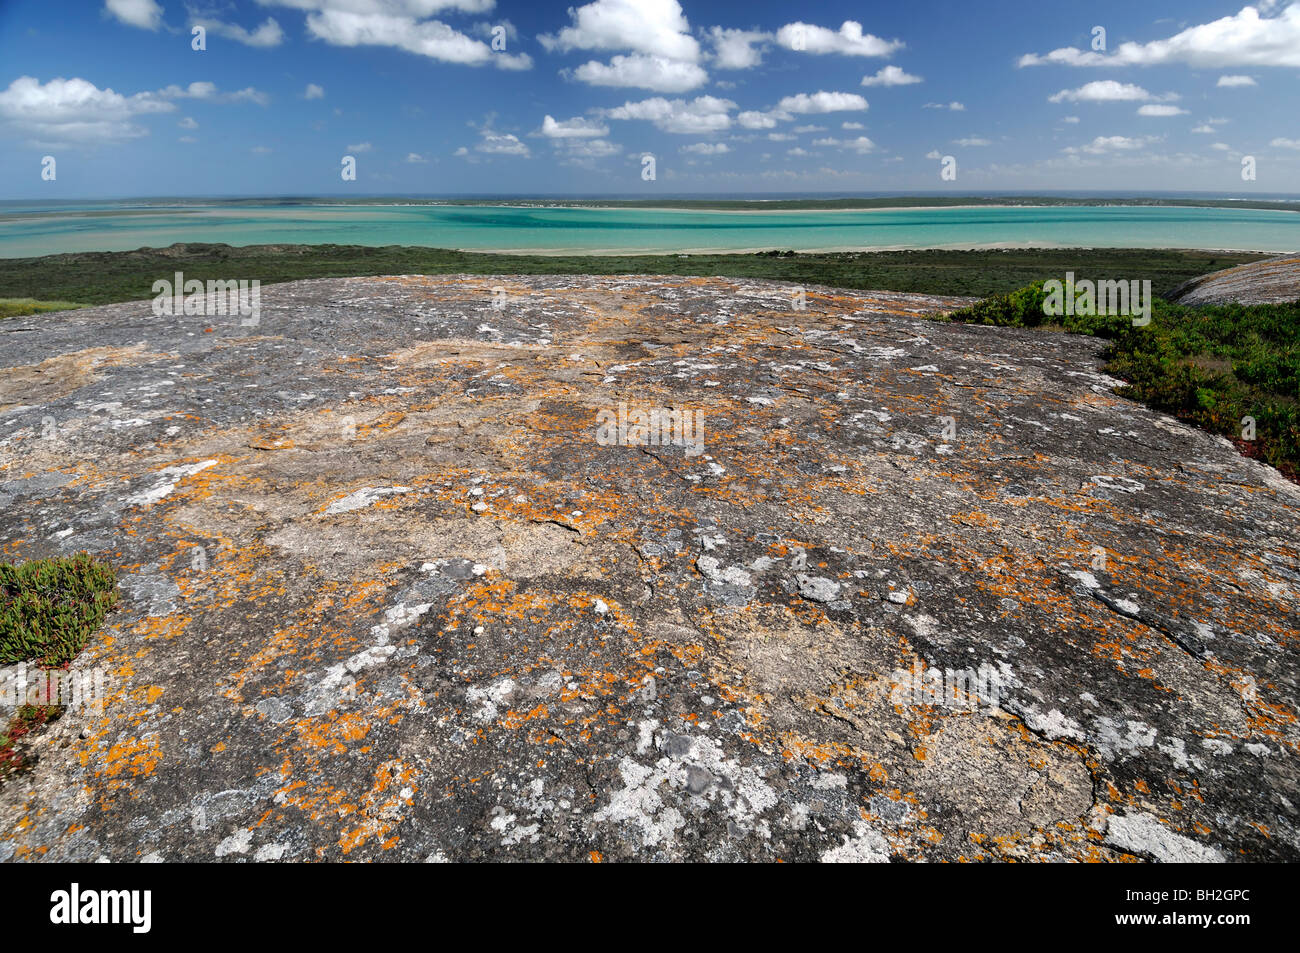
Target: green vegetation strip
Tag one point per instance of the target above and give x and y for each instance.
(1211, 366)
(106, 277)
(49, 608)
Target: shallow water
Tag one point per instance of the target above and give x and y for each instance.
(27, 230)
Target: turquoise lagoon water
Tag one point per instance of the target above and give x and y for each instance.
(28, 230)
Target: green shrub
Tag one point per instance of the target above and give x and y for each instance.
(49, 608)
(1024, 308)
(1215, 366)
(1211, 366)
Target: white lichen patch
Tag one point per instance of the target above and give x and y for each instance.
(1122, 484)
(1144, 834)
(1115, 738)
(170, 477)
(236, 843)
(714, 571)
(490, 698)
(511, 831)
(269, 852)
(1086, 579)
(694, 775)
(337, 685)
(1177, 751)
(865, 846)
(1053, 725)
(362, 498)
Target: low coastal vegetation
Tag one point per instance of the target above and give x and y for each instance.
(49, 608)
(15, 307)
(107, 277)
(1231, 369)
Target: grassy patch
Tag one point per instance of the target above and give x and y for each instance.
(1211, 366)
(106, 277)
(17, 307)
(49, 608)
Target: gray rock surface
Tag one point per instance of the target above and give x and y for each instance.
(1273, 281)
(365, 547)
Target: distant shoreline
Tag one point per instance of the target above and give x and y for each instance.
(833, 250)
(815, 205)
(763, 210)
(612, 254)
(751, 208)
(893, 203)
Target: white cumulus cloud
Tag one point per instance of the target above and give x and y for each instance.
(737, 49)
(75, 111)
(704, 114)
(208, 92)
(848, 40)
(403, 25)
(1102, 91)
(653, 27)
(891, 76)
(501, 143)
(659, 52)
(820, 102)
(1105, 144)
(267, 35)
(861, 144)
(1247, 38)
(576, 128)
(493, 143)
(1152, 109)
(145, 14)
(707, 148)
(756, 119)
(656, 73)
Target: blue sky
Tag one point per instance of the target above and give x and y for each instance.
(477, 96)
